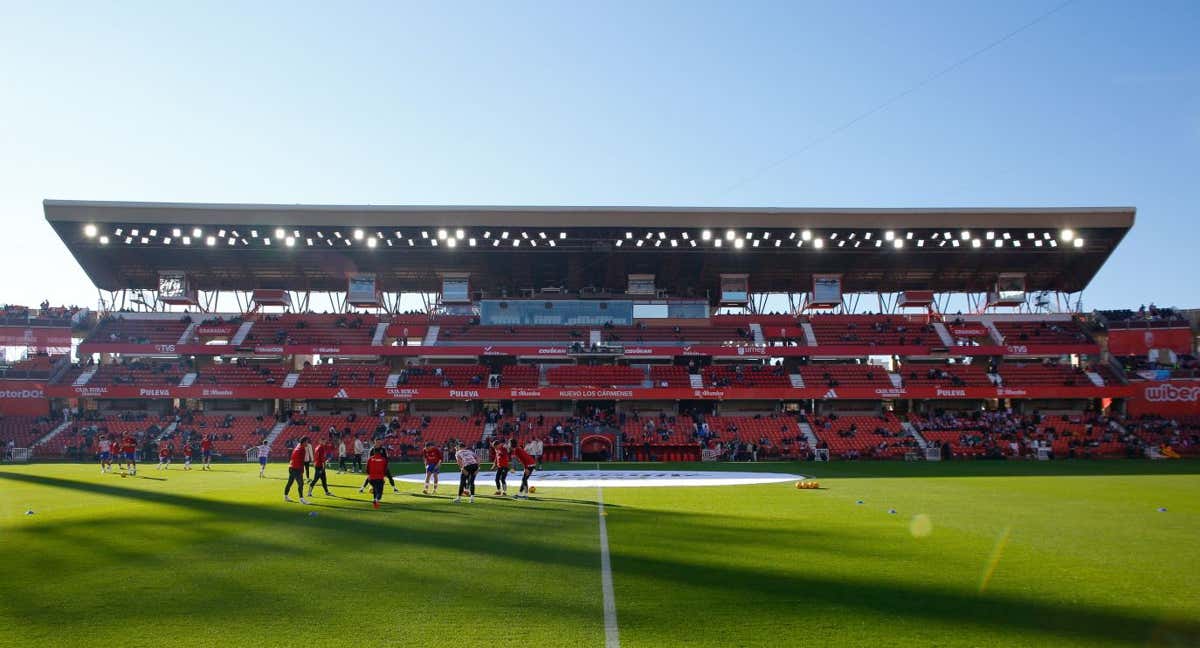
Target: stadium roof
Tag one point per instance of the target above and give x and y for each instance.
(310, 247)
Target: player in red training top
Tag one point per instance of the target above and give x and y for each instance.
(528, 462)
(187, 456)
(206, 452)
(433, 465)
(129, 450)
(321, 454)
(164, 457)
(296, 470)
(501, 463)
(377, 471)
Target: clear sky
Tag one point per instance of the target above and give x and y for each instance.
(656, 103)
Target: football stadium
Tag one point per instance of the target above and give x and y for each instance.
(596, 426)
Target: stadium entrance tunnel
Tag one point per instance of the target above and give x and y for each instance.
(595, 447)
(637, 478)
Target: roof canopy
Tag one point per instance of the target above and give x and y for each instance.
(307, 247)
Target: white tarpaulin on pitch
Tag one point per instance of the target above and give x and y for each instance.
(625, 478)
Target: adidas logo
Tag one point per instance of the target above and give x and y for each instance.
(832, 393)
(341, 393)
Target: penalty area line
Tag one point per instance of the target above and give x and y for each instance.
(612, 637)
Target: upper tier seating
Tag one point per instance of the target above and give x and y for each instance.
(449, 334)
(519, 376)
(660, 335)
(23, 430)
(344, 375)
(37, 367)
(669, 376)
(1065, 332)
(745, 376)
(444, 376)
(46, 315)
(238, 375)
(1015, 374)
(313, 329)
(849, 375)
(595, 376)
(871, 330)
(140, 373)
(955, 375)
(119, 329)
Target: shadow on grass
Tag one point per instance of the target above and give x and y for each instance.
(999, 612)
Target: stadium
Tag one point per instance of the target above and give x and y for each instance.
(845, 426)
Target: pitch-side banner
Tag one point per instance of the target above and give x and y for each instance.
(563, 350)
(41, 337)
(1168, 398)
(23, 398)
(581, 393)
(1140, 341)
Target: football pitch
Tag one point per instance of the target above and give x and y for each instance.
(974, 554)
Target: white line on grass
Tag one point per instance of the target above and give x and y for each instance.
(612, 638)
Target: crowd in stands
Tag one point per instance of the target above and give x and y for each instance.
(45, 315)
(1144, 317)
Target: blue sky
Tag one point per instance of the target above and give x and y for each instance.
(612, 103)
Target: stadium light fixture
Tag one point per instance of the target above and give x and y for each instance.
(833, 236)
(210, 241)
(378, 234)
(778, 242)
(562, 236)
(792, 236)
(662, 235)
(533, 242)
(128, 240)
(842, 244)
(235, 234)
(89, 230)
(424, 234)
(946, 235)
(889, 235)
(658, 243)
(371, 243)
(103, 240)
(133, 232)
(730, 235)
(516, 242)
(346, 241)
(525, 235)
(1030, 235)
(999, 243)
(495, 242)
(857, 243)
(738, 243)
(706, 235)
(487, 234)
(254, 233)
(692, 242)
(389, 242)
(976, 243)
(552, 243)
(117, 231)
(675, 243)
(628, 235)
(819, 243)
(1067, 235)
(504, 235)
(471, 241)
(908, 235)
(749, 236)
(176, 232)
(451, 242)
(1016, 244)
(411, 243)
(806, 235)
(955, 243)
(717, 243)
(166, 240)
(1037, 243)
(358, 235)
(920, 243)
(232, 241)
(640, 242)
(619, 242)
(309, 241)
(990, 236)
(197, 232)
(187, 240)
(898, 244)
(279, 233)
(756, 242)
(1046, 235)
(542, 235)
(878, 243)
(266, 241)
(1053, 243)
(942, 244)
(867, 235)
(683, 235)
(220, 233)
(965, 235)
(1078, 242)
(767, 235)
(1007, 236)
(459, 234)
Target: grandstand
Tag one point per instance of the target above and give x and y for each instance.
(583, 317)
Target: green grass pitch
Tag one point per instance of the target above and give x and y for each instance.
(977, 554)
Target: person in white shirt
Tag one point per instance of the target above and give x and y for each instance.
(468, 466)
(264, 451)
(308, 460)
(104, 445)
(535, 447)
(341, 456)
(359, 449)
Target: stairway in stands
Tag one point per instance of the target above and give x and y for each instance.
(290, 380)
(810, 336)
(242, 332)
(809, 435)
(696, 380)
(83, 378)
(912, 430)
(188, 379)
(943, 333)
(186, 336)
(756, 329)
(51, 434)
(275, 432)
(797, 380)
(380, 332)
(431, 335)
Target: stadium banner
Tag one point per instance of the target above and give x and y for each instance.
(1169, 398)
(40, 337)
(216, 330)
(564, 350)
(23, 398)
(1126, 342)
(468, 392)
(967, 331)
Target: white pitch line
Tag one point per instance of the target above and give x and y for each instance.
(612, 637)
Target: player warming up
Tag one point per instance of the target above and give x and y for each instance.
(433, 465)
(206, 446)
(468, 466)
(187, 456)
(377, 469)
(529, 463)
(296, 471)
(104, 446)
(391, 480)
(164, 458)
(501, 464)
(129, 450)
(321, 454)
(264, 451)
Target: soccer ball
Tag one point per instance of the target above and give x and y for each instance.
(465, 492)
(533, 489)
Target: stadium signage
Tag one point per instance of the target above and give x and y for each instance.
(215, 331)
(19, 397)
(1021, 349)
(464, 393)
(154, 393)
(967, 331)
(894, 392)
(215, 393)
(164, 348)
(955, 393)
(1174, 398)
(268, 349)
(639, 478)
(1011, 391)
(327, 349)
(49, 337)
(22, 394)
(1168, 393)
